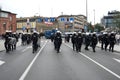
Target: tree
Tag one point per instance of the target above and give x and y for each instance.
(116, 20)
(98, 27)
(90, 27)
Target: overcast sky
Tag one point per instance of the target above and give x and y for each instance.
(53, 8)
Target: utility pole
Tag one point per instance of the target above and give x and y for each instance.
(87, 10)
(94, 16)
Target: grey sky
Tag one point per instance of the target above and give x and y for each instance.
(47, 8)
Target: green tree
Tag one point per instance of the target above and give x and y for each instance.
(90, 27)
(98, 27)
(116, 20)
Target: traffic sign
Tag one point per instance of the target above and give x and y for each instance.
(71, 19)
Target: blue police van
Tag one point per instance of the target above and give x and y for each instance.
(49, 33)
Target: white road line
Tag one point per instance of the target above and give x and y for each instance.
(1, 62)
(116, 53)
(116, 60)
(98, 64)
(26, 48)
(30, 65)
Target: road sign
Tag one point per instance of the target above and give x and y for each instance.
(23, 28)
(71, 19)
(62, 19)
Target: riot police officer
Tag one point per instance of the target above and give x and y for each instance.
(34, 41)
(102, 40)
(52, 37)
(112, 41)
(94, 41)
(87, 40)
(106, 40)
(79, 41)
(57, 41)
(73, 40)
(7, 39)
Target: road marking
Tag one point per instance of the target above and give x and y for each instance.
(98, 64)
(26, 48)
(116, 53)
(116, 60)
(1, 62)
(30, 65)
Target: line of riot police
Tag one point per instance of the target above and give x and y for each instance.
(34, 38)
(79, 38)
(11, 40)
(91, 39)
(107, 39)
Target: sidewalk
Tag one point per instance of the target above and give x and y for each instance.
(116, 47)
(2, 48)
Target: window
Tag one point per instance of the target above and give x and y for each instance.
(10, 18)
(4, 14)
(4, 26)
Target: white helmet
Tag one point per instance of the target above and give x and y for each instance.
(79, 32)
(87, 33)
(94, 32)
(112, 32)
(104, 32)
(58, 31)
(34, 31)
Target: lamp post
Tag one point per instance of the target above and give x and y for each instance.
(72, 22)
(87, 10)
(94, 16)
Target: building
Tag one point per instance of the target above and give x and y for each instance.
(26, 24)
(109, 21)
(7, 21)
(72, 22)
(37, 23)
(62, 23)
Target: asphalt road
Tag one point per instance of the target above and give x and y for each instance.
(46, 64)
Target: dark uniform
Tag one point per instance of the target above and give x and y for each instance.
(57, 41)
(94, 41)
(106, 41)
(87, 41)
(73, 40)
(79, 41)
(102, 41)
(34, 41)
(7, 39)
(68, 37)
(24, 39)
(52, 37)
(112, 42)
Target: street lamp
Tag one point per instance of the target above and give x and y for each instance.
(87, 10)
(72, 22)
(94, 16)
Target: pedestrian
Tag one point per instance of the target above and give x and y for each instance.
(117, 38)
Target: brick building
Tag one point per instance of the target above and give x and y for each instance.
(7, 21)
